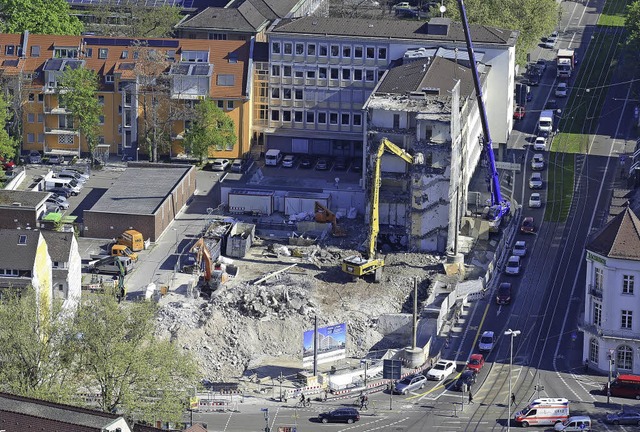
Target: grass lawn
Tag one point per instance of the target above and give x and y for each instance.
(613, 13)
(560, 182)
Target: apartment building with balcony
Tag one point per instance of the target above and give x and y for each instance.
(323, 70)
(426, 105)
(147, 88)
(611, 322)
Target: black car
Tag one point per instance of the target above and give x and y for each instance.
(341, 164)
(503, 296)
(356, 165)
(466, 380)
(340, 415)
(60, 191)
(306, 163)
(322, 164)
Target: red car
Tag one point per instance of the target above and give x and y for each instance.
(528, 226)
(475, 362)
(7, 165)
(519, 112)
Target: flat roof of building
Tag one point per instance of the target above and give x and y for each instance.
(141, 190)
(28, 199)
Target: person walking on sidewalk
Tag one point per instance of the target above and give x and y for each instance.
(513, 399)
(470, 398)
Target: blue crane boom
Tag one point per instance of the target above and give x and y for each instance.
(498, 206)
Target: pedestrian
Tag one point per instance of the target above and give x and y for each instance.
(470, 398)
(326, 393)
(513, 399)
(586, 365)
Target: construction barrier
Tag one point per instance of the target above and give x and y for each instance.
(211, 405)
(295, 393)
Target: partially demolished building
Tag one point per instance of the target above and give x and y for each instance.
(426, 104)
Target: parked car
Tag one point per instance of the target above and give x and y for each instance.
(219, 164)
(401, 5)
(533, 79)
(513, 266)
(35, 157)
(503, 295)
(410, 383)
(540, 144)
(441, 370)
(71, 175)
(535, 181)
(519, 112)
(541, 64)
(528, 226)
(465, 381)
(551, 40)
(561, 90)
(59, 201)
(78, 171)
(340, 415)
(60, 191)
(551, 104)
(356, 165)
(322, 164)
(519, 248)
(476, 361)
(623, 418)
(288, 161)
(52, 207)
(486, 341)
(535, 201)
(341, 164)
(537, 163)
(56, 159)
(236, 165)
(306, 162)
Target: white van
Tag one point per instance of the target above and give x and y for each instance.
(67, 183)
(545, 411)
(272, 157)
(575, 424)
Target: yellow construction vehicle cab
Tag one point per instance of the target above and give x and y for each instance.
(356, 265)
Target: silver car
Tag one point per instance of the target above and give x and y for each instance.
(410, 383)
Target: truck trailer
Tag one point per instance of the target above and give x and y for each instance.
(566, 62)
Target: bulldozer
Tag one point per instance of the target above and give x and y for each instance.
(324, 215)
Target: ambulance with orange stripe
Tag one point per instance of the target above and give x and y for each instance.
(545, 411)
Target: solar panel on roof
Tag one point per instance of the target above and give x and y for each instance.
(73, 64)
(10, 63)
(200, 70)
(151, 3)
(53, 64)
(179, 69)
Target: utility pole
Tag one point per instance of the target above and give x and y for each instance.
(610, 357)
(266, 419)
(315, 346)
(415, 314)
(512, 334)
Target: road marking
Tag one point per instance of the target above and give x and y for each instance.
(499, 310)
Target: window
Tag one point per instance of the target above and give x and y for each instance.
(41, 138)
(220, 104)
(136, 54)
(311, 74)
(69, 52)
(233, 57)
(345, 119)
(10, 50)
(357, 119)
(286, 71)
(627, 284)
(346, 51)
(599, 278)
(101, 139)
(298, 94)
(370, 75)
(310, 117)
(594, 350)
(335, 73)
(65, 139)
(40, 118)
(286, 93)
(35, 51)
(226, 80)
(275, 70)
(230, 105)
(31, 118)
(335, 50)
(89, 52)
(322, 118)
(125, 54)
(217, 36)
(60, 287)
(371, 53)
(108, 78)
(275, 115)
(311, 49)
(323, 50)
(382, 53)
(597, 314)
(357, 74)
(171, 55)
(40, 97)
(624, 358)
(103, 53)
(275, 93)
(101, 100)
(297, 116)
(32, 97)
(299, 48)
(322, 73)
(31, 138)
(275, 47)
(101, 119)
(286, 116)
(627, 318)
(396, 121)
(288, 48)
(333, 118)
(346, 74)
(229, 146)
(357, 52)
(22, 239)
(298, 74)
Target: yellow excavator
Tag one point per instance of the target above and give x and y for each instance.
(324, 215)
(356, 265)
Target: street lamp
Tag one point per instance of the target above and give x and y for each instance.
(512, 333)
(610, 360)
(137, 151)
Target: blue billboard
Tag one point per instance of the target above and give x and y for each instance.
(332, 342)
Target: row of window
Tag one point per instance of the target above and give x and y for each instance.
(334, 73)
(9, 272)
(626, 317)
(329, 50)
(312, 117)
(628, 281)
(623, 355)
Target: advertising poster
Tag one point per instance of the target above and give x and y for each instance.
(331, 344)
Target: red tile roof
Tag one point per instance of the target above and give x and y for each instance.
(620, 238)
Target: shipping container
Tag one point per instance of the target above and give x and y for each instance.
(248, 201)
(240, 239)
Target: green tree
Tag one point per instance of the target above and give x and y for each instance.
(135, 20)
(78, 92)
(532, 18)
(632, 25)
(7, 143)
(34, 361)
(39, 16)
(212, 128)
(134, 372)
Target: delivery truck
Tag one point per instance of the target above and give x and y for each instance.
(545, 123)
(565, 62)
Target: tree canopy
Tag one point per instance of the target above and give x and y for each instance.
(135, 20)
(632, 25)
(7, 143)
(212, 128)
(533, 18)
(78, 91)
(105, 348)
(39, 16)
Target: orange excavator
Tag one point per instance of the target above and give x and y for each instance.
(324, 215)
(214, 274)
